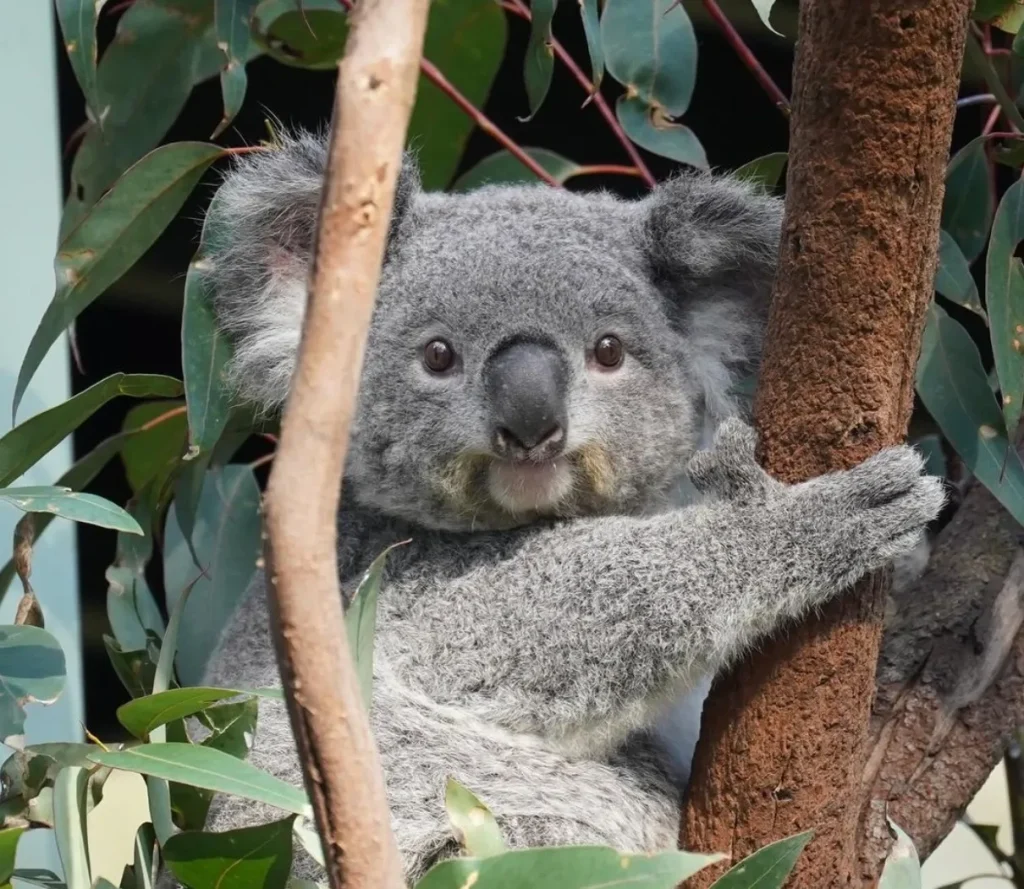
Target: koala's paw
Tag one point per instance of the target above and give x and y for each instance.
(729, 469)
(872, 514)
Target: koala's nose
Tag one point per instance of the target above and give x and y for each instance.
(526, 387)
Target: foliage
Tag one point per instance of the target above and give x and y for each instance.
(200, 507)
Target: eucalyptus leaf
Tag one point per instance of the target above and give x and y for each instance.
(36, 876)
(78, 26)
(764, 10)
(902, 868)
(32, 669)
(539, 64)
(131, 608)
(8, 850)
(1004, 298)
(472, 821)
(653, 131)
(112, 235)
(591, 15)
(69, 809)
(765, 171)
(361, 622)
(156, 436)
(567, 867)
(951, 382)
(257, 857)
(650, 48)
(302, 33)
(208, 768)
(232, 19)
(26, 444)
(768, 868)
(968, 204)
(74, 505)
(134, 667)
(233, 727)
(953, 278)
(228, 545)
(143, 715)
(504, 168)
(146, 857)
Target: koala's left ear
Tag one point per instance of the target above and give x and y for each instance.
(711, 245)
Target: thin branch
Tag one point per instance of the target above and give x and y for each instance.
(607, 170)
(375, 92)
(523, 11)
(977, 55)
(735, 40)
(980, 99)
(433, 73)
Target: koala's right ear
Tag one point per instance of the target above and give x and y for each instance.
(263, 219)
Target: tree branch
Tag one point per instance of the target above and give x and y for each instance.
(375, 91)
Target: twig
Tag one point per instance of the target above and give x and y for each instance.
(976, 54)
(980, 99)
(735, 40)
(523, 11)
(433, 73)
(375, 92)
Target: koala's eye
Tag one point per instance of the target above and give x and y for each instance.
(438, 356)
(608, 351)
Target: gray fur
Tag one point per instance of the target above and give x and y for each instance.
(540, 657)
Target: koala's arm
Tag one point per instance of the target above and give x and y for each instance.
(574, 631)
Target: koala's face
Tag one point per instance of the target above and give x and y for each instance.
(520, 364)
(533, 353)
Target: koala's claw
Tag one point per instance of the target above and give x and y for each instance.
(729, 468)
(884, 476)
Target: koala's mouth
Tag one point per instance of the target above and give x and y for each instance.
(519, 486)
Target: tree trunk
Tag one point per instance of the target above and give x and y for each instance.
(785, 735)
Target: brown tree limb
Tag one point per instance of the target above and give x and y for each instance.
(375, 91)
(785, 736)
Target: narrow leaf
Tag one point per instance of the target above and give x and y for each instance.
(134, 667)
(68, 504)
(211, 769)
(232, 20)
(8, 851)
(502, 168)
(233, 727)
(303, 33)
(768, 868)
(146, 860)
(1004, 298)
(158, 434)
(592, 29)
(954, 388)
(968, 203)
(472, 821)
(568, 867)
(32, 668)
(69, 808)
(953, 278)
(766, 170)
(361, 622)
(45, 879)
(539, 64)
(143, 715)
(764, 10)
(902, 867)
(650, 129)
(25, 445)
(257, 857)
(78, 26)
(112, 235)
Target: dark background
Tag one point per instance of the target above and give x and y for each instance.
(136, 325)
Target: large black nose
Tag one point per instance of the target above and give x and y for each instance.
(526, 387)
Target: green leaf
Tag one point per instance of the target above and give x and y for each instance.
(205, 350)
(768, 868)
(232, 19)
(77, 477)
(764, 10)
(155, 440)
(8, 850)
(68, 504)
(69, 810)
(954, 388)
(233, 727)
(765, 170)
(112, 235)
(78, 25)
(930, 447)
(228, 545)
(650, 129)
(305, 832)
(466, 41)
(968, 204)
(135, 668)
(45, 879)
(474, 825)
(32, 668)
(211, 769)
(650, 48)
(539, 64)
(143, 715)
(567, 867)
(248, 858)
(953, 278)
(1004, 298)
(504, 169)
(592, 29)
(361, 622)
(301, 33)
(146, 859)
(902, 868)
(131, 608)
(25, 445)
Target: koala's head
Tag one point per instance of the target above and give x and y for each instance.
(533, 353)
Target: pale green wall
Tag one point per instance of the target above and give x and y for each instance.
(31, 199)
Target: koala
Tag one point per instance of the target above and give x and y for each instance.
(549, 414)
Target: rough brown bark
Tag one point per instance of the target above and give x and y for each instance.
(375, 91)
(784, 740)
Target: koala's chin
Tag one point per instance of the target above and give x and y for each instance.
(530, 487)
